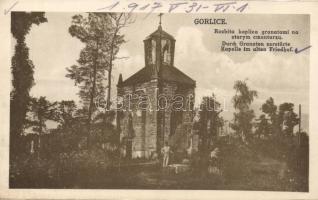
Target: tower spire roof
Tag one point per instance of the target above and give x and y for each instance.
(120, 79)
(160, 32)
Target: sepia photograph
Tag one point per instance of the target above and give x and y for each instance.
(160, 101)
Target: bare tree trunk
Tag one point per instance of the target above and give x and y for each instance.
(111, 63)
(90, 109)
(109, 81)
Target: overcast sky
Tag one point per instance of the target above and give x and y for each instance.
(285, 77)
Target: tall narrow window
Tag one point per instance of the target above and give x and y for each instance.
(153, 52)
(166, 51)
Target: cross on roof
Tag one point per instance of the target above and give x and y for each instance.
(160, 15)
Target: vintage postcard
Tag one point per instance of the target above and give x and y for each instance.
(159, 97)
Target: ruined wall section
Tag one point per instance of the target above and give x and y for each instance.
(178, 125)
(139, 101)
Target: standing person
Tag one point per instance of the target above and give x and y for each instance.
(214, 162)
(166, 152)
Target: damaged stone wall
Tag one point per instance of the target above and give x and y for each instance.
(144, 121)
(152, 126)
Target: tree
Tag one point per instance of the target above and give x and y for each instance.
(270, 109)
(41, 111)
(262, 127)
(70, 125)
(100, 34)
(94, 31)
(119, 21)
(244, 115)
(209, 122)
(287, 118)
(66, 114)
(22, 72)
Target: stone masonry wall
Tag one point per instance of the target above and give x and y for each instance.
(145, 123)
(180, 139)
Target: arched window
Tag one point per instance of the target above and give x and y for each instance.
(166, 51)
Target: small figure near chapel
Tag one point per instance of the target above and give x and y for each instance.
(165, 151)
(214, 165)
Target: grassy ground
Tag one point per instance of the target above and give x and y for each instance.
(243, 169)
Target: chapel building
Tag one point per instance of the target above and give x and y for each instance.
(157, 102)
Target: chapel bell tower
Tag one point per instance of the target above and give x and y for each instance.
(159, 50)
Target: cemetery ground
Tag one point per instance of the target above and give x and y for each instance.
(243, 168)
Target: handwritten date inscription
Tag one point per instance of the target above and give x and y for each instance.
(187, 7)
